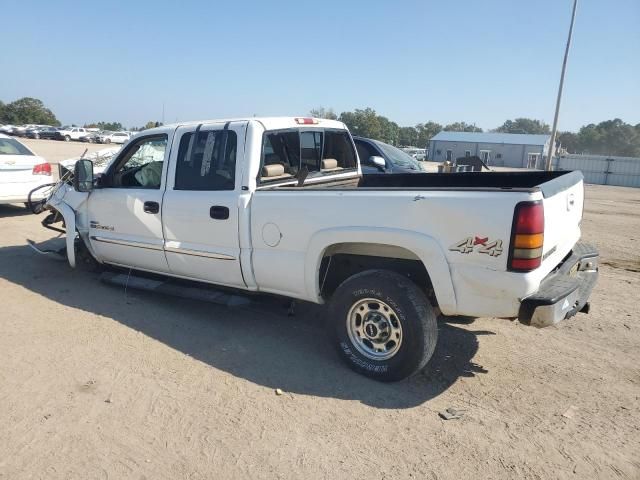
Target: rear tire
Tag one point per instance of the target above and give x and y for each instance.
(382, 325)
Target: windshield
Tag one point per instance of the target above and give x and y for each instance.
(9, 146)
(398, 157)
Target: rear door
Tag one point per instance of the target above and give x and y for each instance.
(200, 209)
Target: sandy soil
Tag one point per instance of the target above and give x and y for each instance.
(99, 383)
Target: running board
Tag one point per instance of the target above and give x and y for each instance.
(166, 287)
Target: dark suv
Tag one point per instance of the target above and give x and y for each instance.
(380, 157)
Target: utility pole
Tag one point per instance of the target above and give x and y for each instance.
(554, 131)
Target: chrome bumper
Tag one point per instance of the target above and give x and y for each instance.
(565, 291)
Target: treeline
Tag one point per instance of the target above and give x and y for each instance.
(29, 110)
(611, 137)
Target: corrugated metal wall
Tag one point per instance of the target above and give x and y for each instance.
(603, 170)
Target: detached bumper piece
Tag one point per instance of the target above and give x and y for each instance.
(565, 291)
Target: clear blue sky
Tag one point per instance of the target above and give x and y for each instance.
(412, 61)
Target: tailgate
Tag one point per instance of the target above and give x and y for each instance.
(563, 206)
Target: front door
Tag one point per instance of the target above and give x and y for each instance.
(125, 212)
(200, 209)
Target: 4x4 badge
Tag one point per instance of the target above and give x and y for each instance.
(486, 246)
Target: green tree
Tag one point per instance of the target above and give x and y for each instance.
(322, 112)
(111, 126)
(151, 124)
(425, 132)
(388, 130)
(365, 123)
(407, 136)
(27, 110)
(524, 125)
(569, 141)
(462, 127)
(611, 137)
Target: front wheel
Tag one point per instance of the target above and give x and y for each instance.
(383, 325)
(67, 138)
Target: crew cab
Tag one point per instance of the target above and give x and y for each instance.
(279, 205)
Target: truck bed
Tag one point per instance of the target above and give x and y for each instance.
(548, 182)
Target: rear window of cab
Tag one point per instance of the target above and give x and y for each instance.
(286, 153)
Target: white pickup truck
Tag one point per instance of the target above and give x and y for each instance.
(279, 205)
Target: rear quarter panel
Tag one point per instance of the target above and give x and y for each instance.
(448, 219)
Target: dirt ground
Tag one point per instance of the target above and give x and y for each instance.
(96, 382)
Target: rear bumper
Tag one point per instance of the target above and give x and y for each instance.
(565, 291)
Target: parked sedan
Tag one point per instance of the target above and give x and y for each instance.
(34, 132)
(21, 171)
(91, 137)
(380, 157)
(49, 133)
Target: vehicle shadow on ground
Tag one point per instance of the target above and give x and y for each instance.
(259, 342)
(17, 210)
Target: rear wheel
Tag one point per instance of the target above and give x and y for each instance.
(383, 325)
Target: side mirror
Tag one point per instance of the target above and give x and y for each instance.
(378, 162)
(83, 176)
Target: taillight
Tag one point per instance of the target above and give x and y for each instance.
(527, 237)
(42, 169)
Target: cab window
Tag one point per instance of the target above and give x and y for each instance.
(286, 152)
(206, 161)
(141, 165)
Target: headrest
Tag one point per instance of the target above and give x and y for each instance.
(329, 164)
(273, 170)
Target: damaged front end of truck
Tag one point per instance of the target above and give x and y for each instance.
(65, 205)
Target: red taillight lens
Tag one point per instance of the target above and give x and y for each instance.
(527, 237)
(42, 169)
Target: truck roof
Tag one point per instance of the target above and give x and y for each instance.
(269, 123)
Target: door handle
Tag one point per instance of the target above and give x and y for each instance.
(219, 212)
(151, 207)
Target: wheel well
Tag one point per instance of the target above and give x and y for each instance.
(344, 260)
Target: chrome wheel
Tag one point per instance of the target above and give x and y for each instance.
(374, 329)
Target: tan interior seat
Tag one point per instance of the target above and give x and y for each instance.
(273, 172)
(330, 165)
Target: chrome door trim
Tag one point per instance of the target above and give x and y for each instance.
(127, 243)
(199, 253)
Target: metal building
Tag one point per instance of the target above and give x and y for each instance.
(498, 149)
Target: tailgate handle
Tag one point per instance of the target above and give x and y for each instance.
(151, 207)
(219, 212)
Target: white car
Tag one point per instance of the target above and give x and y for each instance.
(114, 137)
(279, 206)
(71, 133)
(21, 171)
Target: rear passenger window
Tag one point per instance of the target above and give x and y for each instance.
(285, 152)
(206, 161)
